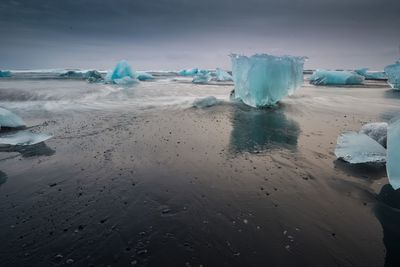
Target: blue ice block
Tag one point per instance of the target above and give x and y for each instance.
(393, 154)
(10, 120)
(335, 77)
(393, 73)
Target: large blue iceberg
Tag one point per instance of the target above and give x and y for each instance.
(393, 154)
(222, 75)
(188, 72)
(10, 120)
(371, 75)
(393, 74)
(5, 73)
(263, 80)
(24, 138)
(122, 74)
(334, 77)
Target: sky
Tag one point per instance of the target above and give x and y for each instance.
(176, 34)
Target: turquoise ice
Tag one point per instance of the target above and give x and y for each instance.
(335, 77)
(188, 72)
(222, 75)
(23, 138)
(371, 75)
(202, 78)
(5, 73)
(393, 73)
(263, 80)
(206, 102)
(10, 120)
(393, 154)
(144, 76)
(122, 74)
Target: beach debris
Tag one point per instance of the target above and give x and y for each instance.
(144, 76)
(335, 77)
(359, 148)
(377, 131)
(223, 75)
(122, 74)
(10, 120)
(393, 74)
(206, 102)
(202, 78)
(93, 76)
(188, 72)
(5, 73)
(393, 154)
(22, 138)
(371, 75)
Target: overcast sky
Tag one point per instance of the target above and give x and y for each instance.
(175, 34)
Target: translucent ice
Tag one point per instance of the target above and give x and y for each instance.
(189, 72)
(93, 76)
(122, 74)
(202, 78)
(334, 77)
(223, 75)
(393, 73)
(206, 102)
(371, 75)
(144, 76)
(5, 73)
(359, 148)
(9, 119)
(377, 131)
(23, 138)
(393, 154)
(263, 80)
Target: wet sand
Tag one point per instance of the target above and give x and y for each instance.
(177, 186)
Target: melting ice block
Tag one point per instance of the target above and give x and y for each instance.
(122, 74)
(144, 76)
(71, 74)
(263, 80)
(202, 78)
(189, 72)
(334, 77)
(5, 73)
(359, 148)
(9, 119)
(377, 131)
(23, 138)
(206, 102)
(393, 73)
(393, 154)
(223, 75)
(93, 76)
(371, 75)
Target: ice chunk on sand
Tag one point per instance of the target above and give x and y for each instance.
(202, 78)
(206, 102)
(393, 154)
(223, 75)
(93, 76)
(359, 148)
(5, 73)
(377, 131)
(23, 138)
(263, 80)
(122, 74)
(393, 73)
(189, 72)
(144, 76)
(335, 77)
(371, 75)
(9, 119)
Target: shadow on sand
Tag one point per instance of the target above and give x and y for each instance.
(40, 149)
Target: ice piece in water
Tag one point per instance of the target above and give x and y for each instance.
(23, 138)
(93, 76)
(263, 80)
(393, 73)
(188, 72)
(71, 74)
(5, 73)
(223, 75)
(10, 120)
(206, 102)
(393, 154)
(144, 76)
(202, 78)
(335, 77)
(371, 75)
(122, 74)
(377, 131)
(359, 148)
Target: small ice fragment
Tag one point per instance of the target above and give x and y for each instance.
(377, 131)
(202, 78)
(263, 80)
(371, 75)
(125, 81)
(223, 75)
(188, 72)
(122, 74)
(5, 73)
(393, 154)
(93, 76)
(23, 138)
(9, 119)
(71, 74)
(144, 76)
(206, 102)
(334, 77)
(359, 148)
(393, 73)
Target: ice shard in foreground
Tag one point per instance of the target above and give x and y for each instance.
(188, 72)
(393, 73)
(223, 75)
(206, 102)
(335, 77)
(359, 148)
(122, 74)
(393, 154)
(10, 120)
(23, 138)
(377, 131)
(263, 80)
(371, 75)
(202, 78)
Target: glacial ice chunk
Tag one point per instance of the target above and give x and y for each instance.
(9, 119)
(223, 75)
(23, 138)
(377, 131)
(202, 78)
(393, 73)
(122, 74)
(71, 74)
(5, 73)
(93, 76)
(371, 75)
(144, 76)
(263, 80)
(334, 77)
(206, 102)
(188, 72)
(359, 148)
(393, 154)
